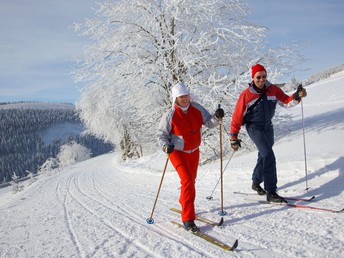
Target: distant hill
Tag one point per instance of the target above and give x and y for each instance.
(32, 132)
(36, 105)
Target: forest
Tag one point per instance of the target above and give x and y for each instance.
(22, 148)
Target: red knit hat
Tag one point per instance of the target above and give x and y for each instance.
(257, 68)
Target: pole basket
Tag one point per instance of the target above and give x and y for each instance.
(150, 221)
(222, 213)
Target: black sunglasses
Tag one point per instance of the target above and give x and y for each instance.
(259, 77)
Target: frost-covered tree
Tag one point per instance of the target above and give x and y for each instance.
(16, 187)
(72, 153)
(323, 74)
(31, 177)
(49, 165)
(291, 85)
(141, 48)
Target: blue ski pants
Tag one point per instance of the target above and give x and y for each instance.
(265, 170)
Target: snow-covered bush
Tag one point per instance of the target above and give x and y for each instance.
(72, 153)
(15, 184)
(291, 85)
(31, 177)
(49, 165)
(323, 74)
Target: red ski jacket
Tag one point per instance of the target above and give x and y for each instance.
(263, 112)
(183, 129)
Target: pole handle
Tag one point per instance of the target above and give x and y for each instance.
(299, 88)
(220, 118)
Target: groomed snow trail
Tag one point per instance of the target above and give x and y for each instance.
(98, 208)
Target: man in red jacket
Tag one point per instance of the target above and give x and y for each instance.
(255, 108)
(179, 135)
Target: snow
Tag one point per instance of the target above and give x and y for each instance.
(99, 207)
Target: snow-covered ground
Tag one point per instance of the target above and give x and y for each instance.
(98, 208)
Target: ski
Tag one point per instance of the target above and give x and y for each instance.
(299, 206)
(210, 239)
(296, 199)
(205, 220)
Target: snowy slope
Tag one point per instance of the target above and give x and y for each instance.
(98, 208)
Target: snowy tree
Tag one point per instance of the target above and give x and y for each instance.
(49, 165)
(323, 74)
(72, 153)
(15, 184)
(31, 177)
(141, 48)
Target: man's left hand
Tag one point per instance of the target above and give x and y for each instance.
(300, 93)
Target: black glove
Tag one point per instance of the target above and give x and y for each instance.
(219, 113)
(300, 93)
(168, 148)
(235, 144)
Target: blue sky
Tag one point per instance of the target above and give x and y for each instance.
(37, 45)
(319, 24)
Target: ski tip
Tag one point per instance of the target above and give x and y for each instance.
(235, 245)
(221, 222)
(312, 197)
(340, 211)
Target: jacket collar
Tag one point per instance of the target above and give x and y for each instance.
(184, 109)
(255, 89)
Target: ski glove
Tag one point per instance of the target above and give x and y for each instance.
(168, 148)
(219, 113)
(235, 144)
(300, 93)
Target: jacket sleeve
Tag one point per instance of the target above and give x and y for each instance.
(238, 115)
(284, 100)
(164, 129)
(209, 120)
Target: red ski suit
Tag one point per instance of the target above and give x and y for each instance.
(183, 129)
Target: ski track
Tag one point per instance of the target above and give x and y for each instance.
(63, 200)
(101, 221)
(125, 208)
(97, 199)
(253, 223)
(75, 194)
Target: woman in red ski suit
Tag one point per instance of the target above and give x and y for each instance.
(179, 135)
(255, 108)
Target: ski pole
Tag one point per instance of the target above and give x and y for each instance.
(222, 212)
(210, 197)
(299, 88)
(150, 220)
